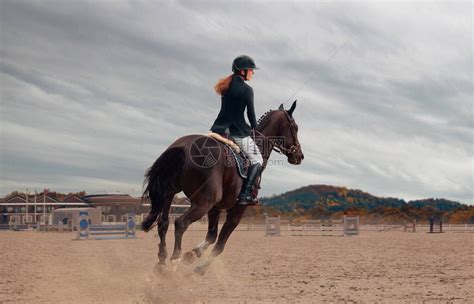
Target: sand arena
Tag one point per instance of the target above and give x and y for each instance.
(390, 267)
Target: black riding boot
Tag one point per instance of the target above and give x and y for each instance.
(245, 197)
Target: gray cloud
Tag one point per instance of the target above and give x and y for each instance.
(93, 91)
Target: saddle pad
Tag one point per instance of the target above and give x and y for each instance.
(240, 161)
(232, 149)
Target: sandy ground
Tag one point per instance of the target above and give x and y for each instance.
(383, 267)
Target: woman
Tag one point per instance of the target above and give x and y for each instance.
(236, 97)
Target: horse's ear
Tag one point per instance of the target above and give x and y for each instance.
(293, 106)
(280, 107)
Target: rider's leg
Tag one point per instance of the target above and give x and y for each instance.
(245, 196)
(248, 146)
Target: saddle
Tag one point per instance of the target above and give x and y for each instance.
(234, 156)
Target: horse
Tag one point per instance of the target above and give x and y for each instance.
(195, 165)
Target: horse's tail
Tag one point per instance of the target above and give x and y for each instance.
(160, 183)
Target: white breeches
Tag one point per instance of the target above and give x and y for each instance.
(250, 149)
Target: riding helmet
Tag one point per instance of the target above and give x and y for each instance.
(243, 62)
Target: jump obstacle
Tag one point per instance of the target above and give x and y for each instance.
(272, 226)
(410, 227)
(115, 231)
(348, 226)
(433, 221)
(351, 225)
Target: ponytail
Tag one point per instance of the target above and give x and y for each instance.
(223, 85)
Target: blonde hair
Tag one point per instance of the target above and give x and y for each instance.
(223, 85)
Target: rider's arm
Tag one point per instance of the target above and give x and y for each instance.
(251, 109)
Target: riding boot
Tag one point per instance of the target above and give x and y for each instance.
(245, 197)
(255, 188)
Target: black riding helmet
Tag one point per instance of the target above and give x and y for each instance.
(243, 62)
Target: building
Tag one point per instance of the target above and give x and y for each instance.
(37, 208)
(32, 209)
(115, 207)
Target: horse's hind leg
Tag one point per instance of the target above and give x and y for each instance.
(213, 217)
(163, 224)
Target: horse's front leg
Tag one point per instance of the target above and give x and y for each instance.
(213, 218)
(233, 218)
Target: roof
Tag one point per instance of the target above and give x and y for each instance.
(20, 199)
(111, 199)
(74, 209)
(43, 204)
(86, 200)
(73, 198)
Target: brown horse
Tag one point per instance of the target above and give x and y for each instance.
(196, 165)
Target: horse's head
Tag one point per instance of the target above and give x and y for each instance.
(288, 142)
(281, 133)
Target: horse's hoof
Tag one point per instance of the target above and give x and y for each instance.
(202, 267)
(174, 264)
(200, 270)
(189, 257)
(161, 268)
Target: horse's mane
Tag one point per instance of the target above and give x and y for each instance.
(264, 119)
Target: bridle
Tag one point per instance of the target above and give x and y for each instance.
(295, 147)
(279, 148)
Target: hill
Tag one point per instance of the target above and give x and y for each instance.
(331, 197)
(319, 201)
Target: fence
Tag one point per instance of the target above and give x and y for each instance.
(286, 227)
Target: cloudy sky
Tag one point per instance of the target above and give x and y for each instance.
(93, 91)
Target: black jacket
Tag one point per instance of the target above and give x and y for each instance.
(233, 104)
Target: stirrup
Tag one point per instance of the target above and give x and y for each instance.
(247, 201)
